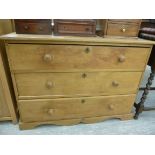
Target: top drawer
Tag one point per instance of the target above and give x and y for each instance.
(75, 57)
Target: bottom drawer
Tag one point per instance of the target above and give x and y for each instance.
(70, 108)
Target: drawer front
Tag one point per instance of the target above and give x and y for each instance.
(57, 109)
(73, 58)
(75, 29)
(128, 30)
(33, 28)
(39, 85)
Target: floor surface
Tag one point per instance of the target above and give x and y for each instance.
(145, 125)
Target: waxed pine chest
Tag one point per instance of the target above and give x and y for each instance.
(71, 80)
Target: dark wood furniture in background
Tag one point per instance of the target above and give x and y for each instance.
(33, 26)
(75, 27)
(119, 27)
(140, 106)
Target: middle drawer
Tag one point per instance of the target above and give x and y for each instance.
(75, 57)
(45, 85)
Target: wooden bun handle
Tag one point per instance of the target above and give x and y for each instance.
(50, 111)
(111, 107)
(121, 58)
(115, 83)
(123, 30)
(47, 57)
(49, 84)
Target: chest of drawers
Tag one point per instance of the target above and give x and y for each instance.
(71, 80)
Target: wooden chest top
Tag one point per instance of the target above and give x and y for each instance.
(24, 38)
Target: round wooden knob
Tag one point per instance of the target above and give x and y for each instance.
(121, 58)
(49, 84)
(84, 75)
(47, 57)
(87, 29)
(50, 111)
(87, 50)
(111, 107)
(40, 28)
(26, 27)
(123, 30)
(83, 101)
(115, 83)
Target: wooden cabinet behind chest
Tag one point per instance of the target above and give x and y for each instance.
(119, 27)
(7, 99)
